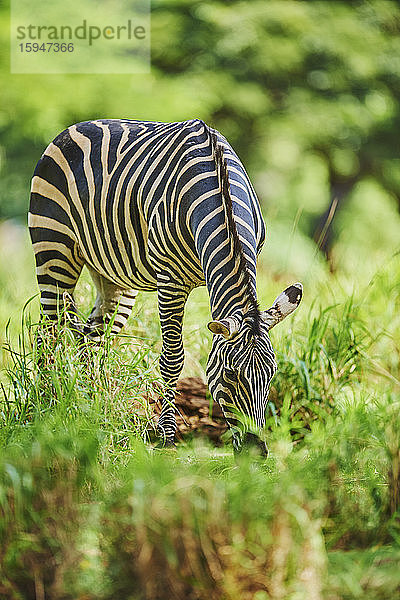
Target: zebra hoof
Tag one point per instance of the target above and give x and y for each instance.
(165, 445)
(251, 444)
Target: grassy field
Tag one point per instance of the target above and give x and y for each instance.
(89, 511)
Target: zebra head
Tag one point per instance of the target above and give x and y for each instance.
(242, 362)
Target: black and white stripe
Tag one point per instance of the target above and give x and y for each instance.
(164, 207)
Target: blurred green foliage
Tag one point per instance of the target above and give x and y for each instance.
(306, 92)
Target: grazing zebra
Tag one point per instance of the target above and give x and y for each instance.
(164, 207)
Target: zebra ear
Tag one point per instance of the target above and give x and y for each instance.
(227, 327)
(284, 304)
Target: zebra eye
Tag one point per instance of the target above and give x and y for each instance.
(230, 375)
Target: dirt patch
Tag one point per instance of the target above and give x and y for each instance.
(196, 414)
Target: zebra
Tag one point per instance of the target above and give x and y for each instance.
(164, 207)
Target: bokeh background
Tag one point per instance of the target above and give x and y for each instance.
(306, 92)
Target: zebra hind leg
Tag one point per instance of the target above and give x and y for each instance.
(58, 268)
(113, 306)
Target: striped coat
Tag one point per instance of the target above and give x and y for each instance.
(164, 207)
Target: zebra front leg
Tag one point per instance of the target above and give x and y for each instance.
(171, 304)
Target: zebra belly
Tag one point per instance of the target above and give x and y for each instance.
(135, 280)
(125, 264)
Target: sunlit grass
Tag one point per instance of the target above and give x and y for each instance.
(88, 509)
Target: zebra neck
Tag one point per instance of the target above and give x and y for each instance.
(227, 252)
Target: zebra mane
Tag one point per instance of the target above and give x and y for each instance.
(223, 177)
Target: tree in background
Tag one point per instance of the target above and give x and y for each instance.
(307, 93)
(296, 86)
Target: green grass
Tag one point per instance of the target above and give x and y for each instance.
(88, 510)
